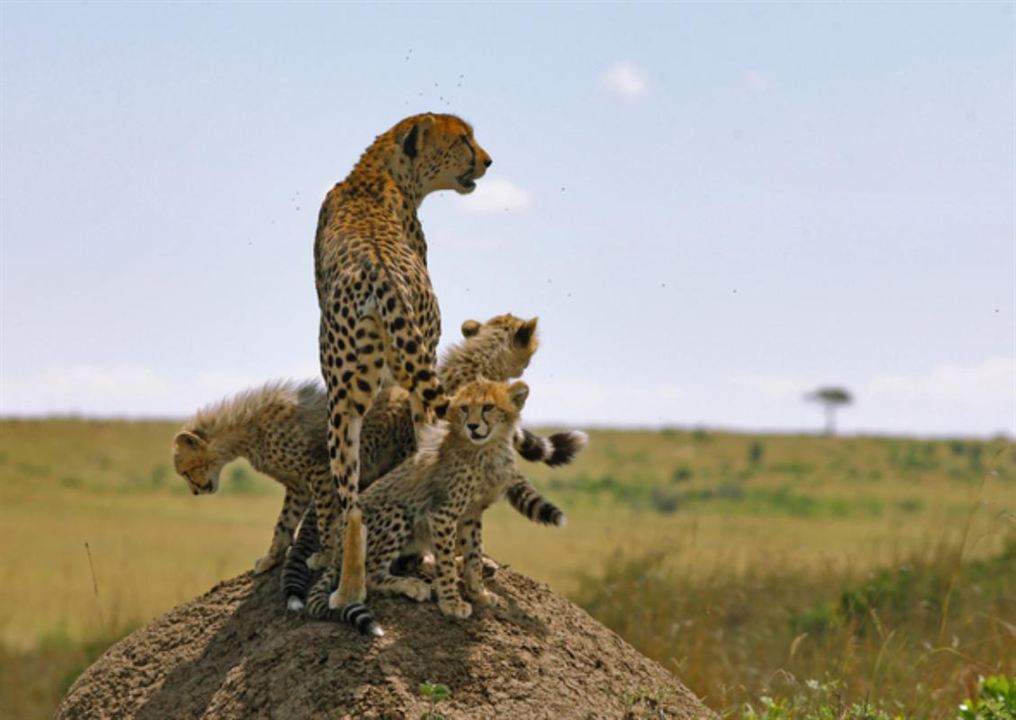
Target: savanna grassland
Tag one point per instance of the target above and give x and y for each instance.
(778, 576)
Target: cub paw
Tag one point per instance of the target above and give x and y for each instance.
(264, 564)
(455, 608)
(428, 566)
(415, 589)
(482, 596)
(490, 567)
(316, 561)
(294, 603)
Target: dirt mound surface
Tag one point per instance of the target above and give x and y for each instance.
(235, 652)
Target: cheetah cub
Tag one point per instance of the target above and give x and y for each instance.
(435, 500)
(280, 429)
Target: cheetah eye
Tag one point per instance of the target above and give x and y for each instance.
(488, 407)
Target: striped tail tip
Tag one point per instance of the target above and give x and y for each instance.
(358, 615)
(566, 445)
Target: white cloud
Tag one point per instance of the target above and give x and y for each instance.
(89, 389)
(993, 380)
(626, 80)
(126, 390)
(600, 403)
(495, 195)
(781, 388)
(756, 82)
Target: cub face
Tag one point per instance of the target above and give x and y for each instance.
(443, 152)
(482, 410)
(193, 460)
(515, 338)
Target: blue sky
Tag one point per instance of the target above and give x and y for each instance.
(712, 208)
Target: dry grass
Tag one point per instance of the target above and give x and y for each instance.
(775, 523)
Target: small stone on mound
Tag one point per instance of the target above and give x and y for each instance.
(236, 652)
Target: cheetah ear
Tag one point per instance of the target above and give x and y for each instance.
(417, 135)
(186, 440)
(470, 328)
(526, 333)
(518, 392)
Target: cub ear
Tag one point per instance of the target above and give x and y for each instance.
(186, 440)
(470, 328)
(518, 392)
(417, 135)
(525, 334)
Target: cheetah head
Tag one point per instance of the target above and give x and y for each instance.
(443, 152)
(512, 339)
(483, 410)
(194, 460)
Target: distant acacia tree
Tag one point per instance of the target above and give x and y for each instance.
(830, 398)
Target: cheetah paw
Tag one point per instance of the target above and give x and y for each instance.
(483, 597)
(490, 567)
(415, 589)
(316, 561)
(455, 608)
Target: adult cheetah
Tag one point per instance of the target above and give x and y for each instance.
(379, 315)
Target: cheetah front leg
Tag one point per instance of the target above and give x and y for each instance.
(293, 508)
(473, 564)
(410, 357)
(443, 536)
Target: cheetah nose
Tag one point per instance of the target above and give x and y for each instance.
(473, 426)
(488, 162)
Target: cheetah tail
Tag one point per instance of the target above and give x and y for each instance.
(356, 614)
(296, 576)
(528, 501)
(352, 609)
(558, 449)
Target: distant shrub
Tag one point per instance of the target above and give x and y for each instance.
(729, 491)
(681, 474)
(242, 481)
(664, 501)
(793, 468)
(913, 456)
(755, 452)
(33, 468)
(976, 453)
(816, 620)
(699, 435)
(909, 505)
(72, 482)
(159, 475)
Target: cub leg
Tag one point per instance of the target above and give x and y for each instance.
(293, 508)
(471, 531)
(384, 549)
(443, 535)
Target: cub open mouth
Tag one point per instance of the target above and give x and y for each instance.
(466, 181)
